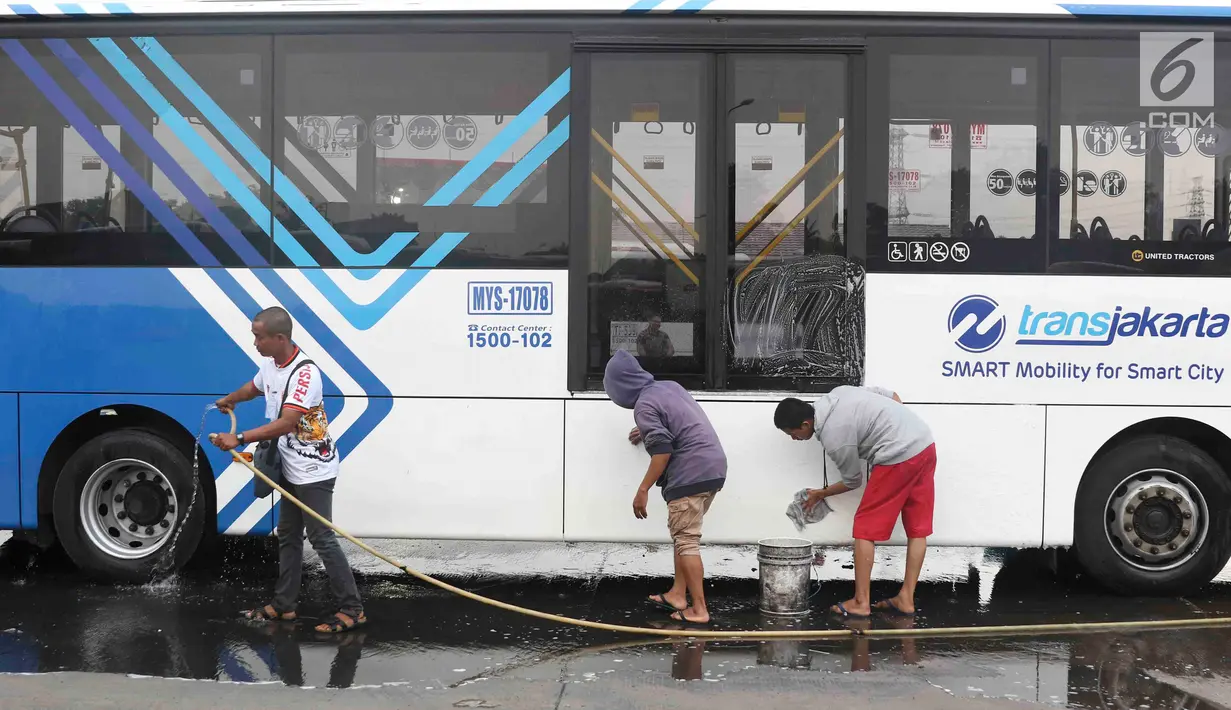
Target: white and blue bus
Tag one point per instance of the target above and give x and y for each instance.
(1015, 215)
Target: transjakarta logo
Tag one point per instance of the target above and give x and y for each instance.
(978, 324)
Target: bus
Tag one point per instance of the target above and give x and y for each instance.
(468, 205)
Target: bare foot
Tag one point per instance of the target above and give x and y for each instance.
(851, 608)
(692, 615)
(896, 605)
(679, 603)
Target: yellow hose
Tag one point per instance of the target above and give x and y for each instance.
(1032, 629)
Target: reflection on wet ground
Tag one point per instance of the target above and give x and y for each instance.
(423, 638)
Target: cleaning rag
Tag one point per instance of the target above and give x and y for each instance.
(795, 511)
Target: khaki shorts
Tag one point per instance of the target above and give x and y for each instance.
(684, 518)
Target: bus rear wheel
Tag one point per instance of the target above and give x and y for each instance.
(1150, 517)
(122, 501)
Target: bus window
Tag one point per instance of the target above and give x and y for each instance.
(458, 140)
(962, 157)
(1138, 195)
(106, 160)
(792, 293)
(648, 151)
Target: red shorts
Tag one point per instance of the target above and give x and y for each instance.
(904, 488)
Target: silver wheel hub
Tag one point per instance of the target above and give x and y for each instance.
(1156, 519)
(128, 509)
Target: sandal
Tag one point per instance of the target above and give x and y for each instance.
(336, 625)
(660, 600)
(889, 607)
(268, 613)
(839, 609)
(679, 616)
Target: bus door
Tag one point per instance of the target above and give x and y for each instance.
(718, 220)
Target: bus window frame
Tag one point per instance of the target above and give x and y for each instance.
(880, 51)
(719, 234)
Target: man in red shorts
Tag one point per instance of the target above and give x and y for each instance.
(871, 424)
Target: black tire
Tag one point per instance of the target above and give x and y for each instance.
(148, 449)
(1101, 558)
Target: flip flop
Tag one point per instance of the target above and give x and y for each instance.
(661, 601)
(679, 616)
(887, 606)
(840, 609)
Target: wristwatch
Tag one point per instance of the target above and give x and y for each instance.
(240, 438)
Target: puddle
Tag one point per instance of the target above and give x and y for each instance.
(425, 639)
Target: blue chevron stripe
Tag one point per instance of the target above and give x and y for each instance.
(379, 398)
(266, 524)
(510, 181)
(105, 150)
(295, 199)
(377, 409)
(1150, 10)
(237, 505)
(24, 10)
(179, 126)
(365, 316)
(184, 132)
(69, 8)
(360, 316)
(503, 141)
(643, 6)
(246, 496)
(261, 164)
(693, 6)
(189, 189)
(380, 401)
(234, 667)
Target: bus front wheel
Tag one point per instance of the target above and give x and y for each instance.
(125, 505)
(1150, 517)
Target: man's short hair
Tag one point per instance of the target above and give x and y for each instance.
(792, 413)
(276, 321)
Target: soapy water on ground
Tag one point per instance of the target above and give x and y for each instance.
(427, 648)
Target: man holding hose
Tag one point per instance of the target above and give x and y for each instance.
(294, 404)
(871, 424)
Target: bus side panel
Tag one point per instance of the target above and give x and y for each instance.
(989, 454)
(10, 471)
(1074, 436)
(44, 416)
(135, 330)
(489, 469)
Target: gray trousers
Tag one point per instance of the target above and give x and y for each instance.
(291, 521)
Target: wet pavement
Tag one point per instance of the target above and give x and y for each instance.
(67, 643)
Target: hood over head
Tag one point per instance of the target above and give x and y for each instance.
(624, 379)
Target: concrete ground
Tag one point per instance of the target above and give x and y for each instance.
(65, 643)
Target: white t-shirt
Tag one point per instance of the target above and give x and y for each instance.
(309, 455)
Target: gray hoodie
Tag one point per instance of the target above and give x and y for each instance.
(671, 422)
(865, 423)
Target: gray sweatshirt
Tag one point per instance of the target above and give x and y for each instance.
(865, 423)
(670, 421)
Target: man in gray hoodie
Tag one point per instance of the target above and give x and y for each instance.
(686, 461)
(871, 424)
